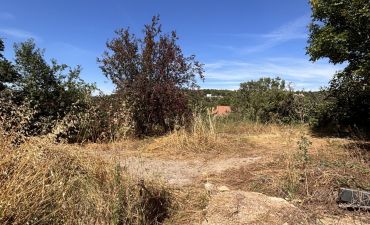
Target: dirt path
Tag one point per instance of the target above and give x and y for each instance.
(181, 172)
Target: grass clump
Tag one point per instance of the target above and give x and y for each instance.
(41, 183)
(200, 137)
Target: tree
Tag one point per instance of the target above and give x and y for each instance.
(48, 90)
(266, 100)
(151, 74)
(340, 31)
(7, 72)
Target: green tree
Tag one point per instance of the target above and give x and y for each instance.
(51, 90)
(7, 72)
(265, 100)
(152, 75)
(340, 32)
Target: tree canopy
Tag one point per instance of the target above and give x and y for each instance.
(49, 90)
(340, 31)
(7, 72)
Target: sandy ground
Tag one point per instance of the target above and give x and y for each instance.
(180, 172)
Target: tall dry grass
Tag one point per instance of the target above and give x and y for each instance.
(216, 134)
(201, 136)
(296, 165)
(309, 175)
(41, 183)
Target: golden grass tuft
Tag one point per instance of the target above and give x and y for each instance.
(201, 137)
(42, 183)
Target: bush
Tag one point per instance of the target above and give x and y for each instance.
(106, 118)
(15, 116)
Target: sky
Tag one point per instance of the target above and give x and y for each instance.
(236, 40)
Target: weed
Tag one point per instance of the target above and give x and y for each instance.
(303, 145)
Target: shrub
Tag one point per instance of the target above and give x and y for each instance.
(270, 100)
(106, 118)
(15, 117)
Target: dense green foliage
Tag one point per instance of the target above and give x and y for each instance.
(7, 72)
(264, 100)
(340, 31)
(51, 91)
(271, 100)
(48, 92)
(151, 75)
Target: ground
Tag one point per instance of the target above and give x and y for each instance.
(249, 173)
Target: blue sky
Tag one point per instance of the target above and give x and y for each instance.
(237, 40)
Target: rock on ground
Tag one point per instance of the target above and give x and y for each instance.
(344, 221)
(240, 207)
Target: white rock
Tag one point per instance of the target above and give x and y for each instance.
(209, 187)
(223, 188)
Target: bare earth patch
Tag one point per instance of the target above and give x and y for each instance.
(180, 172)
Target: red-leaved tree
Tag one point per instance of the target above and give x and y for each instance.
(151, 74)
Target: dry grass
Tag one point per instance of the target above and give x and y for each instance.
(41, 183)
(44, 183)
(309, 180)
(251, 128)
(211, 136)
(191, 206)
(308, 177)
(200, 138)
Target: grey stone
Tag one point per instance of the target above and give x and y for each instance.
(350, 198)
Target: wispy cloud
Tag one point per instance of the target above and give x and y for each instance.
(19, 34)
(291, 31)
(72, 49)
(6, 16)
(302, 73)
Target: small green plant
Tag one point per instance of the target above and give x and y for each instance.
(297, 169)
(119, 206)
(303, 145)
